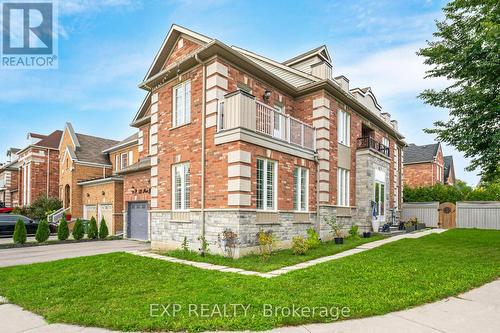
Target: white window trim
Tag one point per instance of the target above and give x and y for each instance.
(264, 188)
(343, 183)
(299, 202)
(183, 187)
(117, 162)
(343, 128)
(186, 114)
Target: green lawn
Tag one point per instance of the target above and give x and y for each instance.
(115, 290)
(278, 259)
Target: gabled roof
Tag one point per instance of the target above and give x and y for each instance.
(129, 141)
(293, 76)
(420, 154)
(320, 51)
(91, 149)
(448, 165)
(141, 165)
(51, 140)
(142, 116)
(169, 41)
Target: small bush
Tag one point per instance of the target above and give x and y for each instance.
(78, 231)
(42, 232)
(19, 232)
(63, 230)
(354, 231)
(103, 229)
(266, 241)
(228, 241)
(299, 245)
(312, 238)
(203, 245)
(184, 245)
(335, 225)
(92, 232)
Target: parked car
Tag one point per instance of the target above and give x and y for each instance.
(4, 210)
(8, 222)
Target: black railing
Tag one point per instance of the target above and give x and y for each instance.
(367, 142)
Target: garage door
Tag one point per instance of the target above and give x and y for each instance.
(106, 211)
(89, 211)
(138, 220)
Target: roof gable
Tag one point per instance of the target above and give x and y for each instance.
(420, 154)
(321, 51)
(169, 44)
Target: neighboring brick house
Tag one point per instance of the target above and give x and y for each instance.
(87, 186)
(234, 140)
(9, 179)
(424, 165)
(449, 170)
(38, 165)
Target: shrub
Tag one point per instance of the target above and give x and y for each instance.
(458, 192)
(184, 245)
(266, 241)
(228, 241)
(203, 245)
(299, 245)
(335, 225)
(354, 231)
(40, 208)
(78, 231)
(312, 238)
(62, 229)
(19, 232)
(92, 232)
(103, 229)
(42, 232)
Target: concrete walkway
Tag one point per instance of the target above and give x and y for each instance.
(475, 311)
(284, 270)
(43, 253)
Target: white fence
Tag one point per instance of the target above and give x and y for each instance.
(425, 212)
(481, 215)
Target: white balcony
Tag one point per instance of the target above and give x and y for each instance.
(241, 110)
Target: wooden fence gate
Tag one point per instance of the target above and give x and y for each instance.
(447, 215)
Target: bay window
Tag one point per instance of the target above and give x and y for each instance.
(180, 186)
(266, 184)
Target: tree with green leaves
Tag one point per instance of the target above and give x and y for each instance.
(92, 232)
(19, 232)
(103, 229)
(63, 229)
(78, 230)
(466, 51)
(42, 232)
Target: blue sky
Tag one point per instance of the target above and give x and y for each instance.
(106, 47)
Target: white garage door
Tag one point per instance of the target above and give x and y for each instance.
(89, 211)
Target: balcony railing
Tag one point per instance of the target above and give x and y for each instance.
(240, 109)
(367, 142)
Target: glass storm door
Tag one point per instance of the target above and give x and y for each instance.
(379, 199)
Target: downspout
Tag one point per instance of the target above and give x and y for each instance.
(203, 148)
(318, 219)
(48, 171)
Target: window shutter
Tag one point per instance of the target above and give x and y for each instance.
(130, 157)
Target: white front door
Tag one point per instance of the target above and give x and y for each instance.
(379, 194)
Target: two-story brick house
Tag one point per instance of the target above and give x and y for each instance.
(9, 179)
(426, 166)
(38, 165)
(87, 184)
(242, 142)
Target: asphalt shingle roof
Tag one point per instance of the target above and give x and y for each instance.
(52, 140)
(91, 148)
(448, 163)
(418, 154)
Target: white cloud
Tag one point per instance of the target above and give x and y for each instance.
(72, 7)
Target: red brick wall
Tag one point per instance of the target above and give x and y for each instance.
(136, 187)
(419, 174)
(179, 53)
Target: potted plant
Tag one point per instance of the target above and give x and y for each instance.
(336, 229)
(367, 234)
(68, 217)
(411, 224)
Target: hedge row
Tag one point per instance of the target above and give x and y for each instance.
(458, 192)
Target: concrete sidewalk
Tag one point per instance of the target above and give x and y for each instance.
(43, 253)
(475, 311)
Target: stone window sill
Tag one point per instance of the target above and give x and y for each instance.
(179, 221)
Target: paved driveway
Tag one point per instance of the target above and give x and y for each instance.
(34, 254)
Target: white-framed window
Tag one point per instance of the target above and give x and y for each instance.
(117, 162)
(266, 184)
(300, 189)
(180, 185)
(123, 161)
(379, 197)
(385, 142)
(343, 187)
(343, 127)
(182, 103)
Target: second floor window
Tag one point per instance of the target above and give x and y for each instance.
(182, 104)
(124, 161)
(300, 186)
(266, 184)
(343, 127)
(342, 187)
(180, 180)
